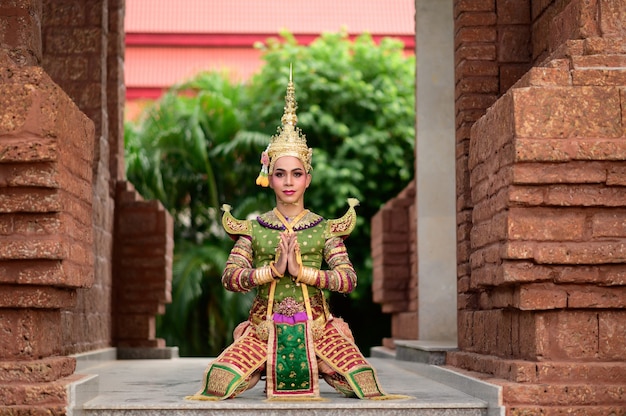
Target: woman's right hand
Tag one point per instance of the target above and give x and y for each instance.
(292, 256)
(286, 254)
(282, 253)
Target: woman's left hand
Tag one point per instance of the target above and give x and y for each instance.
(293, 251)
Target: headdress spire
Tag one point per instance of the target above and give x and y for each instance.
(289, 140)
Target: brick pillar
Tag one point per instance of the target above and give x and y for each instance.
(543, 311)
(20, 33)
(45, 233)
(143, 267)
(394, 256)
(116, 89)
(491, 53)
(477, 87)
(83, 53)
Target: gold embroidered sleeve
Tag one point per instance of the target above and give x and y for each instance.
(340, 277)
(239, 275)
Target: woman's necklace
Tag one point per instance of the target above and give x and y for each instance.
(281, 202)
(289, 224)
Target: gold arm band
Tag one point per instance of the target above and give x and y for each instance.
(263, 275)
(308, 276)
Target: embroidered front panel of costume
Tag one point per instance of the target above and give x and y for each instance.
(292, 367)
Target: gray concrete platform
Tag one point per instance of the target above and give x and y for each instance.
(158, 387)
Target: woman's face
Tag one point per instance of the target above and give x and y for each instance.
(289, 180)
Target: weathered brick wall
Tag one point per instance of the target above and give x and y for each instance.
(549, 192)
(144, 244)
(60, 60)
(84, 54)
(74, 54)
(116, 89)
(492, 51)
(543, 297)
(20, 33)
(394, 255)
(45, 232)
(59, 167)
(557, 22)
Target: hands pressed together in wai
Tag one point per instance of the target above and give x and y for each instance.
(288, 254)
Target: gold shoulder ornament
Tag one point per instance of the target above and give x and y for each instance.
(232, 225)
(342, 227)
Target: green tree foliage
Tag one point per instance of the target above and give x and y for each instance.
(199, 146)
(357, 109)
(181, 152)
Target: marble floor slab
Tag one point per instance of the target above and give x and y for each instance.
(158, 387)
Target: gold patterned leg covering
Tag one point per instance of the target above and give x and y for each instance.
(336, 350)
(230, 374)
(339, 383)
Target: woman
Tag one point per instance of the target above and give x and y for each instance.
(290, 335)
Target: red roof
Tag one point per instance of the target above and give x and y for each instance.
(385, 17)
(159, 67)
(169, 41)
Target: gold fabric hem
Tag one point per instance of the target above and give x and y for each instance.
(203, 398)
(389, 397)
(296, 399)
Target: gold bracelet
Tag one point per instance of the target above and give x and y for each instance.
(308, 276)
(313, 276)
(263, 275)
(273, 268)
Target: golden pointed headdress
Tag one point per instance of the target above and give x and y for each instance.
(288, 141)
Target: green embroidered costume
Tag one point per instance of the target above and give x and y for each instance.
(290, 334)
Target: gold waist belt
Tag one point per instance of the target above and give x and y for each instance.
(261, 313)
